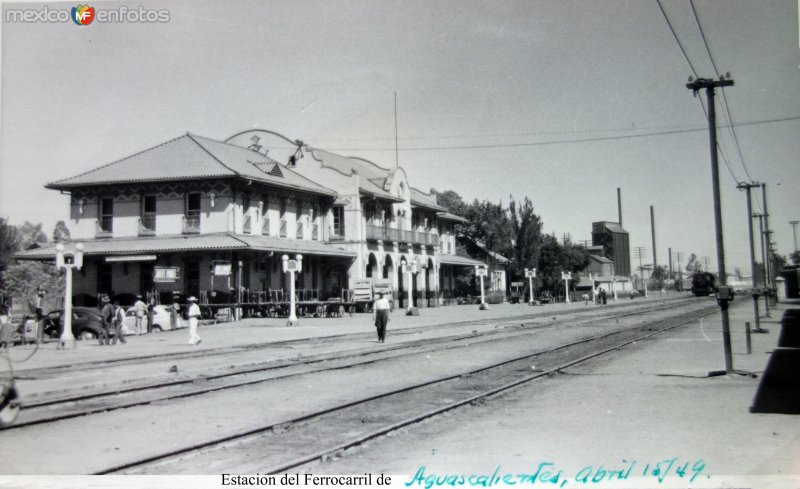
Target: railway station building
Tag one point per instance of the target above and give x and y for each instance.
(211, 219)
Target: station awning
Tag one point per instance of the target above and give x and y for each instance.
(167, 244)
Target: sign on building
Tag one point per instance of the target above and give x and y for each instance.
(166, 274)
(222, 268)
(362, 290)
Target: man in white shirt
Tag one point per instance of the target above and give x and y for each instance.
(140, 309)
(381, 315)
(194, 318)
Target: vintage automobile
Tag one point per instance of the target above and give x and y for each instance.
(161, 320)
(86, 323)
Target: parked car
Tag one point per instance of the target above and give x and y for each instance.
(161, 320)
(86, 323)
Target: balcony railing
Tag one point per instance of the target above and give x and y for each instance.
(246, 227)
(191, 223)
(104, 227)
(147, 225)
(391, 234)
(265, 226)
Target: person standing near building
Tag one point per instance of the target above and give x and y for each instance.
(119, 319)
(381, 315)
(174, 310)
(194, 318)
(151, 306)
(107, 312)
(140, 309)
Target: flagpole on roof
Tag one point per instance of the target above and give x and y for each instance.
(396, 151)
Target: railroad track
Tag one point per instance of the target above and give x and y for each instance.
(314, 436)
(61, 408)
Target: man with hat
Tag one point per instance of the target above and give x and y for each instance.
(107, 312)
(119, 321)
(140, 309)
(194, 318)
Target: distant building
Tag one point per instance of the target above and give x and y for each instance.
(603, 269)
(615, 242)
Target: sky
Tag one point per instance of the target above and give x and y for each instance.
(547, 99)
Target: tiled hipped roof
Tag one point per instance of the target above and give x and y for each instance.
(191, 157)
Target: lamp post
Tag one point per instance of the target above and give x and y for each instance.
(566, 276)
(68, 259)
(531, 274)
(411, 269)
(291, 267)
(593, 278)
(482, 271)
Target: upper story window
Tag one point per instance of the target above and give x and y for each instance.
(338, 221)
(265, 217)
(284, 231)
(246, 213)
(192, 214)
(148, 216)
(299, 222)
(106, 220)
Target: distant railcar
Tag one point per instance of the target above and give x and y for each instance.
(703, 284)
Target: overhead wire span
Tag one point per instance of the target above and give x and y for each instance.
(722, 90)
(694, 71)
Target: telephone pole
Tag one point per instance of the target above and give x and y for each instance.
(724, 293)
(770, 255)
(763, 260)
(794, 232)
(747, 187)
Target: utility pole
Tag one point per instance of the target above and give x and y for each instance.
(763, 260)
(747, 187)
(794, 232)
(724, 293)
(705, 262)
(770, 255)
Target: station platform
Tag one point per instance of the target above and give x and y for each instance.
(273, 330)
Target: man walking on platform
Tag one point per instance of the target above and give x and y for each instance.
(119, 320)
(194, 318)
(140, 310)
(107, 312)
(381, 316)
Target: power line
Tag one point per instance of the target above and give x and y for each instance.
(724, 98)
(676, 39)
(694, 71)
(559, 141)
